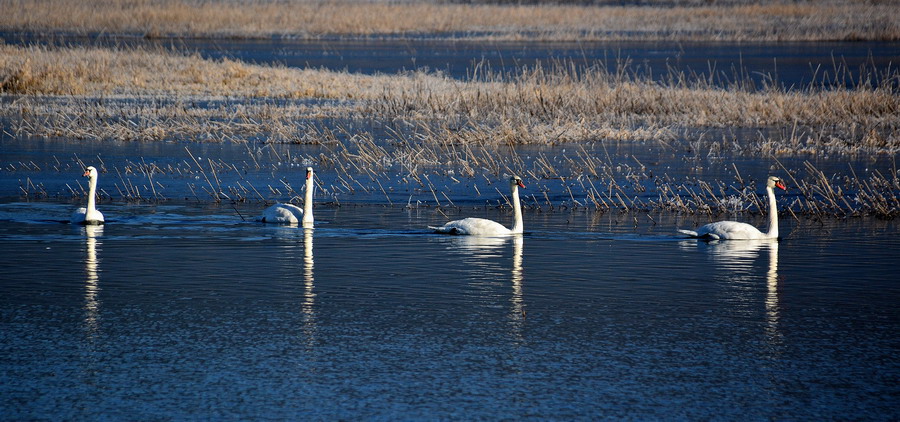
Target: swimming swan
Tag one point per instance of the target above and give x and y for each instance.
(89, 215)
(733, 230)
(484, 227)
(292, 214)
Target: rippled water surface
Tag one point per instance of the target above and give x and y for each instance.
(190, 312)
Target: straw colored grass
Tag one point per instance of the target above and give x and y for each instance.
(771, 21)
(157, 94)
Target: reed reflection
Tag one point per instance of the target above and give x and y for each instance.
(92, 277)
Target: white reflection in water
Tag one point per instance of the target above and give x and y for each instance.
(484, 254)
(479, 245)
(737, 258)
(481, 256)
(304, 268)
(517, 314)
(309, 296)
(92, 278)
(772, 308)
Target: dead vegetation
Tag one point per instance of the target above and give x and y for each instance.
(450, 177)
(429, 136)
(761, 21)
(98, 93)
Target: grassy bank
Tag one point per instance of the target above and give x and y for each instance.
(157, 94)
(768, 21)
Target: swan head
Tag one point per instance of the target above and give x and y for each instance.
(516, 181)
(90, 172)
(309, 173)
(775, 182)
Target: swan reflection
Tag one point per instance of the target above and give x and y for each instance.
(309, 295)
(737, 258)
(479, 245)
(517, 313)
(486, 260)
(308, 277)
(92, 277)
(773, 311)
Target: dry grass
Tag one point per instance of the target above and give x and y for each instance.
(443, 132)
(771, 21)
(437, 175)
(142, 72)
(155, 94)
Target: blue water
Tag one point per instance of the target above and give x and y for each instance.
(189, 312)
(183, 308)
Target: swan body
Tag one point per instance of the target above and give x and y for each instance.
(290, 213)
(733, 230)
(282, 214)
(483, 227)
(90, 214)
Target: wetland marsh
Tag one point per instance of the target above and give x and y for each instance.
(182, 306)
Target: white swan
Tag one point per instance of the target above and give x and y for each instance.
(290, 213)
(733, 230)
(484, 227)
(89, 215)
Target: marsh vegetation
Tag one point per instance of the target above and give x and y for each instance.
(430, 133)
(424, 123)
(675, 20)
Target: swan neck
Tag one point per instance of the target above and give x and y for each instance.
(92, 193)
(773, 214)
(308, 202)
(517, 211)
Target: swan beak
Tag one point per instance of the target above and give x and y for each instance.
(780, 185)
(308, 174)
(87, 173)
(521, 185)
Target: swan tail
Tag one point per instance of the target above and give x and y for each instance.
(690, 233)
(447, 230)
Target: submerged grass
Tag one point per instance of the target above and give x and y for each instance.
(670, 20)
(451, 179)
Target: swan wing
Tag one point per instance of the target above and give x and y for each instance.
(78, 216)
(472, 227)
(83, 216)
(94, 217)
(282, 214)
(729, 230)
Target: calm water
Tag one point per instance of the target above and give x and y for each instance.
(188, 312)
(788, 64)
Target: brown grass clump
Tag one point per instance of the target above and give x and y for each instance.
(772, 21)
(141, 72)
(153, 94)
